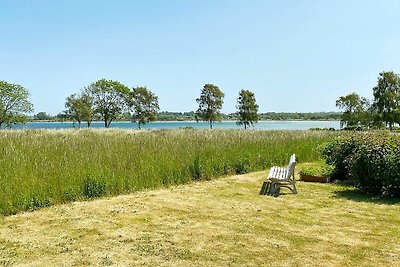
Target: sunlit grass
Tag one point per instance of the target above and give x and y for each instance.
(223, 222)
(43, 167)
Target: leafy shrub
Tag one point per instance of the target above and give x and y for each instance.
(94, 187)
(338, 153)
(370, 160)
(33, 202)
(242, 166)
(226, 168)
(322, 129)
(354, 128)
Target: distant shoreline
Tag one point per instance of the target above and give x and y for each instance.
(225, 124)
(171, 121)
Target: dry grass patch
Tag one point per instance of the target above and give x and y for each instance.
(222, 222)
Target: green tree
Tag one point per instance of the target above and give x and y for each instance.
(109, 99)
(210, 103)
(144, 105)
(14, 104)
(42, 116)
(247, 109)
(387, 98)
(80, 107)
(62, 117)
(355, 110)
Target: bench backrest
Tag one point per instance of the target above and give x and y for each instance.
(292, 164)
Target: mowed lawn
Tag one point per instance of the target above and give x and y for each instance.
(222, 222)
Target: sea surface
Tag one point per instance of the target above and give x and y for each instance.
(261, 125)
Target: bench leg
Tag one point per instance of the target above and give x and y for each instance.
(294, 190)
(277, 191)
(274, 189)
(271, 188)
(265, 188)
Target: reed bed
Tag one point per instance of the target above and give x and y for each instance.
(44, 167)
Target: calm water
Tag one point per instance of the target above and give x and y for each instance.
(262, 125)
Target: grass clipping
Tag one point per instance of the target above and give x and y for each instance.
(221, 222)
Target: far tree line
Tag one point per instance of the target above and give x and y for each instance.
(190, 116)
(275, 116)
(108, 100)
(382, 111)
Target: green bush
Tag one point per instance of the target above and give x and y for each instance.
(354, 128)
(32, 203)
(338, 154)
(94, 187)
(370, 160)
(242, 166)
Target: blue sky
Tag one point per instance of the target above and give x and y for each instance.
(294, 55)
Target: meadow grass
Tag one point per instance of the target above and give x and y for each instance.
(222, 222)
(44, 167)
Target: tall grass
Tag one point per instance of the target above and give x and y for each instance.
(40, 168)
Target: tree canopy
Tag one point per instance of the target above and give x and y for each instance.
(42, 116)
(387, 98)
(355, 110)
(144, 105)
(80, 107)
(247, 108)
(210, 103)
(14, 104)
(109, 99)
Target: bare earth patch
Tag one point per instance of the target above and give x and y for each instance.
(223, 222)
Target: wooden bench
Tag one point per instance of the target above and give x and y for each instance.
(280, 177)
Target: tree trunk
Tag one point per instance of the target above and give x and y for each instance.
(139, 126)
(211, 126)
(245, 126)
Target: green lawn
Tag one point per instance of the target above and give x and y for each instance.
(222, 222)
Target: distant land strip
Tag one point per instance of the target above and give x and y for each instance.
(190, 116)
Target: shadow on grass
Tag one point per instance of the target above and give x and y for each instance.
(358, 196)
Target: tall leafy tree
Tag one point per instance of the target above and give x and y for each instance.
(355, 110)
(80, 107)
(247, 113)
(387, 98)
(210, 103)
(144, 105)
(14, 104)
(109, 99)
